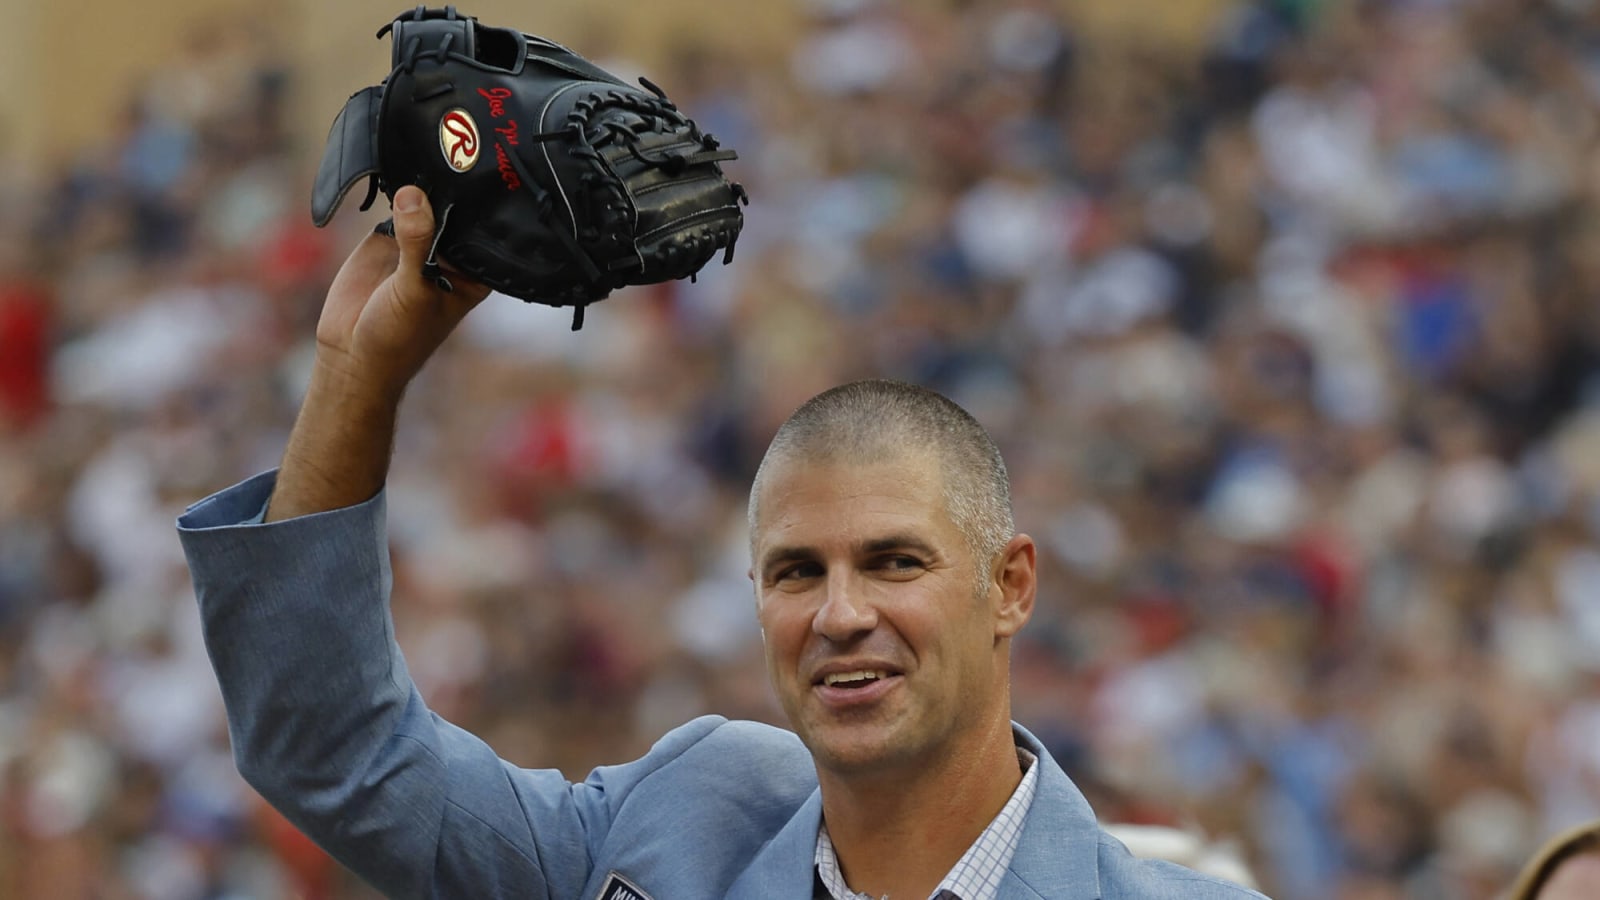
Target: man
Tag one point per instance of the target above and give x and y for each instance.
(889, 583)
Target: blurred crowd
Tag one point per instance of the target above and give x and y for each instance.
(1290, 340)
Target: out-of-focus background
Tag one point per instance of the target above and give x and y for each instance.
(1283, 312)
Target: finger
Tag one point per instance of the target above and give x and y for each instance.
(413, 233)
(368, 265)
(377, 252)
(413, 230)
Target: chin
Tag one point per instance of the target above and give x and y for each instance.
(857, 749)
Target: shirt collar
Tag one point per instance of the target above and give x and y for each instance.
(977, 875)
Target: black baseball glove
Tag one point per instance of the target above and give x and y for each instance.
(551, 179)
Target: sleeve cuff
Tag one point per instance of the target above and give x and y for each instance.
(245, 505)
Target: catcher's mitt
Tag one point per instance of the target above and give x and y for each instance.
(551, 179)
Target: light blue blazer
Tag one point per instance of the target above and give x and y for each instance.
(327, 725)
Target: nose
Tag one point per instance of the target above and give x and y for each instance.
(844, 613)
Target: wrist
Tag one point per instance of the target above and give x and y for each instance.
(340, 379)
(338, 452)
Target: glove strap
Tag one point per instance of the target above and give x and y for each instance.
(350, 155)
(430, 31)
(430, 266)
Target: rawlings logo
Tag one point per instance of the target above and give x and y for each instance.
(458, 139)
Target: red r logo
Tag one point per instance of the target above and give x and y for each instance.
(458, 139)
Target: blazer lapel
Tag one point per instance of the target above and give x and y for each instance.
(785, 867)
(1058, 853)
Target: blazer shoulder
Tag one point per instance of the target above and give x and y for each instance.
(719, 756)
(732, 737)
(712, 790)
(1124, 875)
(760, 742)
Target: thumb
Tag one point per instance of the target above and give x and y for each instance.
(413, 230)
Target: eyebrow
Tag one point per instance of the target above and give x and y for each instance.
(874, 546)
(897, 542)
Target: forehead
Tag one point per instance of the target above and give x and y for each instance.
(807, 501)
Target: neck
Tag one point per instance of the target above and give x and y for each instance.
(900, 833)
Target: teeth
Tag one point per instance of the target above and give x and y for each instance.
(861, 675)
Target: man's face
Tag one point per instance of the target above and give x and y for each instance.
(880, 642)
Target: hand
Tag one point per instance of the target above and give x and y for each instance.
(383, 319)
(381, 322)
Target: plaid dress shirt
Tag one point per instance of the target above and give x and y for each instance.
(976, 875)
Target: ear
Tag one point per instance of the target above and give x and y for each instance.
(1016, 582)
(755, 590)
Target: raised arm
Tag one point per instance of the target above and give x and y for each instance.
(323, 716)
(381, 322)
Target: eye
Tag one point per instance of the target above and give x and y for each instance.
(797, 571)
(898, 563)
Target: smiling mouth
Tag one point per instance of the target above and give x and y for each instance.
(853, 680)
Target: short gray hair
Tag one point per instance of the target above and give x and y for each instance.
(879, 419)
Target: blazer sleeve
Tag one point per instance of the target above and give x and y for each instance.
(327, 725)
